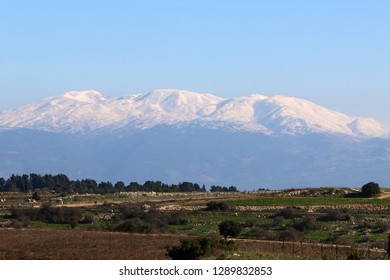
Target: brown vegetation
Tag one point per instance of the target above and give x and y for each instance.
(82, 245)
(94, 245)
(307, 251)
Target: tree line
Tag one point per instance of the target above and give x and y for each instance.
(60, 183)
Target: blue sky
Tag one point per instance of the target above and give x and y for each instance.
(334, 53)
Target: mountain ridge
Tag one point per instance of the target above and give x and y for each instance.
(176, 135)
(91, 111)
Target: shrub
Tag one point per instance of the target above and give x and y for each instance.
(260, 233)
(138, 220)
(334, 215)
(177, 218)
(371, 189)
(278, 221)
(307, 223)
(194, 249)
(89, 219)
(130, 211)
(135, 225)
(230, 228)
(291, 213)
(36, 196)
(382, 226)
(217, 206)
(291, 234)
(250, 223)
(190, 250)
(49, 214)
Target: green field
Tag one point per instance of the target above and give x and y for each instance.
(308, 201)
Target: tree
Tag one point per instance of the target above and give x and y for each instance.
(230, 228)
(371, 189)
(119, 186)
(105, 187)
(2, 184)
(36, 196)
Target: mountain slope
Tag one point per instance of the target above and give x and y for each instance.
(176, 135)
(90, 111)
(206, 156)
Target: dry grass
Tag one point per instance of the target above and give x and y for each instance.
(82, 245)
(307, 251)
(45, 244)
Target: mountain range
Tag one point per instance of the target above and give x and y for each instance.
(177, 135)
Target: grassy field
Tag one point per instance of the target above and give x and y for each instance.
(309, 201)
(278, 225)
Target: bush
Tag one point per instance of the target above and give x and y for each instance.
(49, 214)
(334, 215)
(260, 233)
(89, 219)
(230, 228)
(370, 189)
(278, 221)
(130, 211)
(291, 213)
(217, 206)
(307, 223)
(138, 220)
(382, 226)
(177, 218)
(195, 249)
(250, 223)
(135, 225)
(291, 234)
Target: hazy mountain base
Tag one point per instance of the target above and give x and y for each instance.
(206, 156)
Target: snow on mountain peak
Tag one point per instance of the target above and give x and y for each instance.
(257, 96)
(171, 98)
(284, 114)
(168, 106)
(84, 111)
(87, 96)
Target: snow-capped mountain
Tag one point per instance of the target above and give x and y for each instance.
(177, 135)
(89, 111)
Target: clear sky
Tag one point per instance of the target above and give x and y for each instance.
(334, 53)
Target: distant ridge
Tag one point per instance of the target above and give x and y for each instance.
(91, 111)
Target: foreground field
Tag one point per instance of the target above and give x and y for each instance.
(82, 245)
(92, 245)
(293, 224)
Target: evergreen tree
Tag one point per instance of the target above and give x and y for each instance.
(371, 189)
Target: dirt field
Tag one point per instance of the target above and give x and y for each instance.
(95, 245)
(82, 245)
